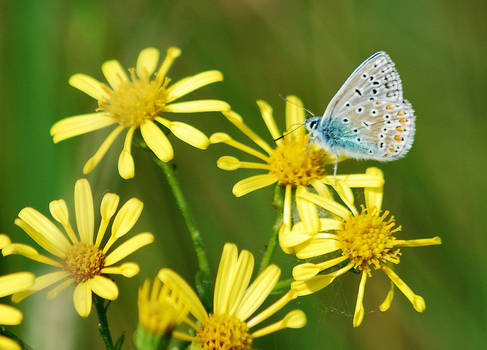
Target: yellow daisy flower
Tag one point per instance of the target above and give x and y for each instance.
(294, 162)
(136, 101)
(10, 284)
(234, 302)
(81, 259)
(359, 240)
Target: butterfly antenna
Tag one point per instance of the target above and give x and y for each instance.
(291, 102)
(287, 133)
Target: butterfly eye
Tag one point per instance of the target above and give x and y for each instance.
(313, 124)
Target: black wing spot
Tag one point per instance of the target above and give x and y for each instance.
(345, 120)
(358, 92)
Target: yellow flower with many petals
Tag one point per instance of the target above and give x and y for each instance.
(136, 101)
(294, 163)
(359, 240)
(81, 259)
(10, 284)
(234, 302)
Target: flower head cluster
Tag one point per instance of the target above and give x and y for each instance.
(136, 101)
(230, 325)
(351, 239)
(81, 259)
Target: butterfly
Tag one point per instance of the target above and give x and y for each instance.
(368, 117)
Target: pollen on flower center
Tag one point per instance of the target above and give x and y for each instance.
(295, 162)
(367, 239)
(225, 332)
(83, 262)
(136, 100)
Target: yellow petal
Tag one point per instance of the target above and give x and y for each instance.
(386, 304)
(59, 211)
(317, 247)
(237, 120)
(371, 179)
(59, 288)
(175, 282)
(253, 183)
(197, 106)
(147, 62)
(224, 277)
(102, 150)
(171, 55)
(128, 247)
(294, 319)
(322, 189)
(90, 86)
(83, 201)
(128, 269)
(358, 316)
(8, 344)
(108, 208)
(308, 270)
(418, 242)
(297, 236)
(258, 291)
(114, 73)
(126, 166)
(241, 279)
(318, 282)
(127, 217)
(284, 239)
(373, 195)
(286, 213)
(157, 141)
(40, 283)
(104, 287)
(346, 195)
(307, 212)
(4, 240)
(266, 111)
(294, 117)
(80, 124)
(330, 224)
(186, 133)
(43, 231)
(272, 309)
(221, 137)
(28, 252)
(326, 203)
(15, 282)
(189, 84)
(416, 300)
(82, 299)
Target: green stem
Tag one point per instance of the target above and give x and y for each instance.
(278, 204)
(282, 286)
(103, 328)
(5, 332)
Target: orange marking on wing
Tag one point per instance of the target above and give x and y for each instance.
(400, 113)
(388, 85)
(402, 121)
(398, 128)
(397, 138)
(378, 102)
(392, 150)
(389, 107)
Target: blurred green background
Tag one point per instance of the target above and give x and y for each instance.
(264, 48)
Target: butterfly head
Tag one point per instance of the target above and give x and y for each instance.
(312, 124)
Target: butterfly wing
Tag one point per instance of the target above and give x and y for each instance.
(374, 120)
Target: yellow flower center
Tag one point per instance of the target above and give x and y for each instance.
(296, 162)
(225, 332)
(136, 100)
(83, 261)
(367, 239)
(158, 317)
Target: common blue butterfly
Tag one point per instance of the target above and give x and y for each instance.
(368, 117)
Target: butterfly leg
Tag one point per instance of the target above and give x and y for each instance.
(335, 168)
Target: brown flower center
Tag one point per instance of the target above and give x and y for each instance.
(225, 332)
(83, 262)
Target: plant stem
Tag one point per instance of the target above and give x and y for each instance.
(278, 204)
(103, 328)
(4, 331)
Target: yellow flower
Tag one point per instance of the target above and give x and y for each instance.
(294, 163)
(137, 101)
(234, 302)
(80, 258)
(10, 284)
(359, 240)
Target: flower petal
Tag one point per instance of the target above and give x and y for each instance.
(157, 141)
(272, 309)
(294, 117)
(80, 124)
(104, 287)
(317, 247)
(253, 183)
(358, 316)
(126, 166)
(128, 269)
(266, 111)
(128, 247)
(175, 282)
(102, 150)
(15, 282)
(59, 288)
(416, 300)
(114, 73)
(224, 277)
(90, 86)
(82, 299)
(83, 203)
(294, 319)
(307, 212)
(9, 316)
(186, 133)
(147, 62)
(127, 217)
(4, 240)
(197, 106)
(40, 283)
(28, 252)
(171, 54)
(108, 207)
(325, 203)
(386, 304)
(8, 344)
(373, 195)
(43, 231)
(258, 291)
(307, 271)
(220, 137)
(189, 84)
(318, 282)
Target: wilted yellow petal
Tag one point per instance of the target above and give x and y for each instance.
(358, 316)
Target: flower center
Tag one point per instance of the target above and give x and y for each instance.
(136, 100)
(367, 239)
(83, 261)
(296, 162)
(225, 332)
